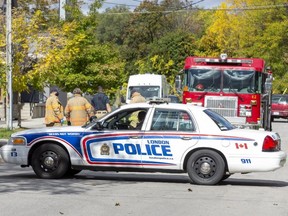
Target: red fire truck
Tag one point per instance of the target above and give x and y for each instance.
(237, 88)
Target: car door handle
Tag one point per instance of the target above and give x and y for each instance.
(186, 138)
(134, 137)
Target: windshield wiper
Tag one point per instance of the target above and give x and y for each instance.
(235, 92)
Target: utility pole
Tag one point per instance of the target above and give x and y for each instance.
(9, 95)
(62, 11)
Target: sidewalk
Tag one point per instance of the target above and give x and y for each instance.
(26, 124)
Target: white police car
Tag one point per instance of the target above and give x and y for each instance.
(173, 138)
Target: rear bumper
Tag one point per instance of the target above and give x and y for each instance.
(264, 162)
(280, 114)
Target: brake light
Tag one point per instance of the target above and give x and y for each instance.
(270, 144)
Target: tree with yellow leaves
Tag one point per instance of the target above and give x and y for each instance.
(251, 28)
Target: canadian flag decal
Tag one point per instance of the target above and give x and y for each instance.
(241, 146)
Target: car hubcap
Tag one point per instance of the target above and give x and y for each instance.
(49, 161)
(205, 167)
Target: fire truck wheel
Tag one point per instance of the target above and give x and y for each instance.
(206, 167)
(50, 161)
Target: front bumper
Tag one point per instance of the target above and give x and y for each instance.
(14, 154)
(3, 142)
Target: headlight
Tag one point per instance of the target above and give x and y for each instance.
(245, 110)
(17, 141)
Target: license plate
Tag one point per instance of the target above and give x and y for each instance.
(275, 113)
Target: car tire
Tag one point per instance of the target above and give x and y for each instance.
(50, 161)
(206, 167)
(225, 177)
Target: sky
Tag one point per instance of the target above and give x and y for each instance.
(134, 3)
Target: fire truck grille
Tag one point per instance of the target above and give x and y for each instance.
(225, 106)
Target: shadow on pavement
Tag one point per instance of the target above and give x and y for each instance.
(28, 181)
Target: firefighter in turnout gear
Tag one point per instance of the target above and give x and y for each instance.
(136, 97)
(78, 110)
(54, 110)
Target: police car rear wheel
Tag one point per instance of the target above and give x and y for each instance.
(50, 161)
(205, 167)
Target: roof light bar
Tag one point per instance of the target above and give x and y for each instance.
(198, 60)
(223, 59)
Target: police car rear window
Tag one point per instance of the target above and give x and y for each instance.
(219, 120)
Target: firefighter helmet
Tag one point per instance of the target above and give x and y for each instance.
(199, 87)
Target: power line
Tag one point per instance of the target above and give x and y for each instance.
(257, 7)
(263, 7)
(112, 3)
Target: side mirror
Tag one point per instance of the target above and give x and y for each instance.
(92, 118)
(98, 126)
(268, 84)
(178, 82)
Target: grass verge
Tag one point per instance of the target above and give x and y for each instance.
(5, 133)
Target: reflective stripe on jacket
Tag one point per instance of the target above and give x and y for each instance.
(78, 110)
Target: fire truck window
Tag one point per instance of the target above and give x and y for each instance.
(238, 81)
(209, 79)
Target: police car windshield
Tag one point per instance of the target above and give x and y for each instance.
(221, 122)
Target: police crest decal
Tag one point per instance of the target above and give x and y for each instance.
(105, 149)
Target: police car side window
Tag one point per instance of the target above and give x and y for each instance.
(171, 120)
(121, 120)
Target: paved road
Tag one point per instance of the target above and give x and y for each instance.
(99, 193)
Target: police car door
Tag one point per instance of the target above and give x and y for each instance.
(167, 138)
(118, 143)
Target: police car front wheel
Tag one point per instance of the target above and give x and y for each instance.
(205, 167)
(50, 161)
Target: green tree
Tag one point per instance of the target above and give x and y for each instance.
(25, 32)
(112, 25)
(77, 59)
(171, 50)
